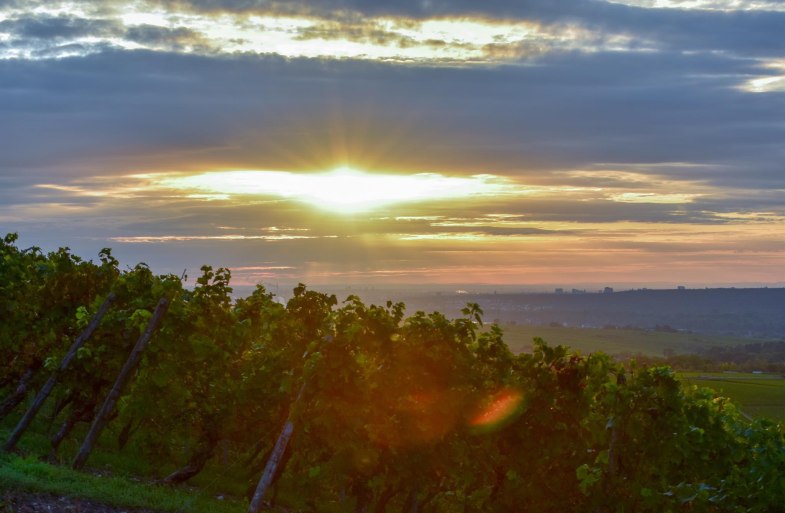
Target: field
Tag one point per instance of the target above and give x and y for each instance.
(616, 341)
(757, 395)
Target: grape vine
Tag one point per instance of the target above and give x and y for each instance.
(388, 411)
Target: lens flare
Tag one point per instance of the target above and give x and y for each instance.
(501, 408)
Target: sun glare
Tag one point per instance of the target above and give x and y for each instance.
(344, 190)
(501, 408)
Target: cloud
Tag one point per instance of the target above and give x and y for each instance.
(471, 242)
(439, 41)
(636, 131)
(59, 28)
(170, 39)
(712, 5)
(753, 29)
(152, 239)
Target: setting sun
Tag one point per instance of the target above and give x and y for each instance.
(343, 190)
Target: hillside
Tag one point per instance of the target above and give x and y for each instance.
(754, 313)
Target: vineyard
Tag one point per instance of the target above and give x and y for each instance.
(358, 408)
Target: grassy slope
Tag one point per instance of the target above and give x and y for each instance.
(758, 395)
(116, 483)
(30, 474)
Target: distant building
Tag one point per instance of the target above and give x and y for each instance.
(681, 287)
(578, 291)
(559, 291)
(608, 290)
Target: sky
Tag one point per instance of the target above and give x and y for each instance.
(520, 142)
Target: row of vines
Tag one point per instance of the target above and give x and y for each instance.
(389, 411)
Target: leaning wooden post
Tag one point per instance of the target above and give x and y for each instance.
(28, 417)
(122, 379)
(271, 467)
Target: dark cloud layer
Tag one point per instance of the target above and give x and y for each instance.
(571, 111)
(58, 27)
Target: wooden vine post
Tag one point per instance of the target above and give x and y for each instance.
(117, 389)
(43, 394)
(271, 468)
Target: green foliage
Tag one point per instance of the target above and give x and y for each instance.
(43, 300)
(391, 410)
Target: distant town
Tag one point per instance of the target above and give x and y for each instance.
(606, 290)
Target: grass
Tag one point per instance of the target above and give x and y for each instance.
(757, 395)
(615, 341)
(124, 477)
(30, 474)
(115, 474)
